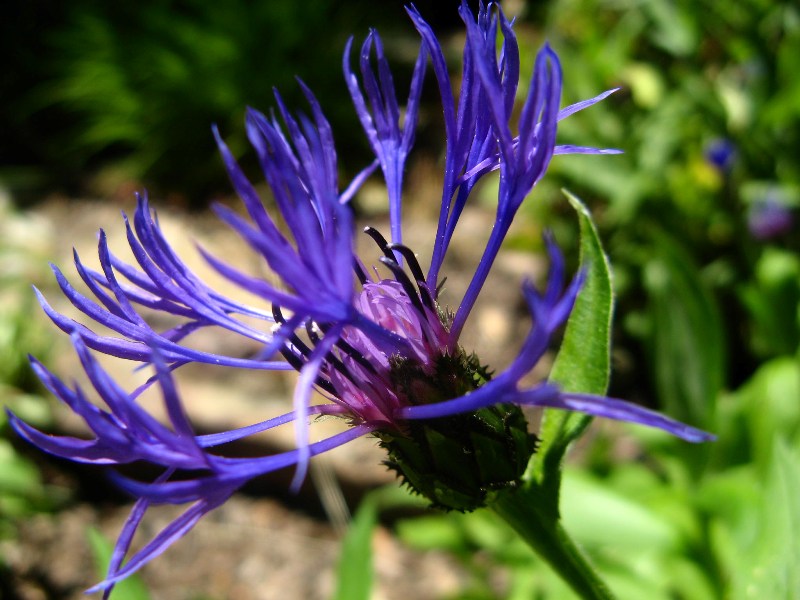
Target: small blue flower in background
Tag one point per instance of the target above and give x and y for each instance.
(376, 345)
(721, 153)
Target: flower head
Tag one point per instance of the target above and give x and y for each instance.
(375, 343)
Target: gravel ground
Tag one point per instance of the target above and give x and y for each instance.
(249, 549)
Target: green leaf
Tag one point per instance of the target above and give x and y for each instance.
(583, 363)
(437, 531)
(687, 337)
(131, 588)
(637, 526)
(767, 566)
(773, 298)
(770, 408)
(355, 563)
(18, 476)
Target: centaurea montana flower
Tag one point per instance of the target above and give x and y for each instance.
(380, 350)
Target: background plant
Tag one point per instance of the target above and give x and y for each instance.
(117, 92)
(23, 245)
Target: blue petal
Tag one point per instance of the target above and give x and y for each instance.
(611, 408)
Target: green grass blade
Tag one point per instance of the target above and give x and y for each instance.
(131, 588)
(355, 573)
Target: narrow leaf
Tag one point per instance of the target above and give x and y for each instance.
(769, 565)
(355, 563)
(583, 363)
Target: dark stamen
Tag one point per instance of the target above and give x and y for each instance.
(416, 271)
(326, 385)
(409, 255)
(292, 358)
(380, 241)
(404, 281)
(292, 339)
(297, 359)
(298, 363)
(356, 356)
(427, 299)
(345, 347)
(277, 314)
(362, 276)
(332, 360)
(440, 287)
(312, 335)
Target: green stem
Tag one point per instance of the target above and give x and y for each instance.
(527, 513)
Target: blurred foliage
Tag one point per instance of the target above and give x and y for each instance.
(708, 115)
(24, 243)
(132, 90)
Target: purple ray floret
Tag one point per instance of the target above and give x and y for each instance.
(367, 336)
(379, 114)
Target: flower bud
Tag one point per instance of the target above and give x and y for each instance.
(456, 461)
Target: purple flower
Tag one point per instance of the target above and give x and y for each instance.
(769, 217)
(379, 349)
